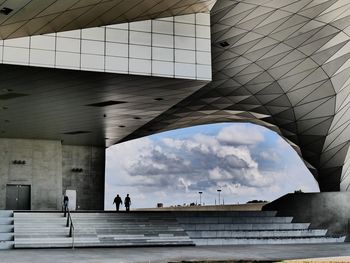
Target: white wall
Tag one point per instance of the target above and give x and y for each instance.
(176, 47)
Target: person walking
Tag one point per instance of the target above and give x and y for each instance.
(65, 204)
(117, 201)
(127, 203)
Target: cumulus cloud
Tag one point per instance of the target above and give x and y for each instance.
(231, 159)
(240, 135)
(197, 159)
(198, 162)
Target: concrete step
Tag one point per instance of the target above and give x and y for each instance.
(6, 221)
(258, 234)
(38, 220)
(129, 230)
(42, 230)
(148, 233)
(128, 222)
(6, 245)
(94, 222)
(256, 226)
(37, 215)
(259, 241)
(45, 242)
(123, 226)
(224, 213)
(85, 243)
(42, 220)
(36, 226)
(103, 241)
(98, 244)
(95, 215)
(98, 226)
(118, 222)
(6, 213)
(6, 236)
(102, 238)
(134, 235)
(234, 220)
(171, 214)
(124, 221)
(53, 219)
(99, 232)
(79, 224)
(43, 225)
(6, 228)
(41, 235)
(142, 235)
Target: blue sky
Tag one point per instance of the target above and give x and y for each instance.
(245, 161)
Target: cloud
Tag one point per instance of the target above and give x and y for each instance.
(201, 161)
(270, 156)
(236, 159)
(241, 135)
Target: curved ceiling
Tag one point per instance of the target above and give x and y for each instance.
(284, 65)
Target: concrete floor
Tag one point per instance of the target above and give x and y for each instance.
(175, 254)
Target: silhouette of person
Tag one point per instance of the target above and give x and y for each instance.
(127, 202)
(117, 201)
(65, 204)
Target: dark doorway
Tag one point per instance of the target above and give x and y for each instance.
(17, 197)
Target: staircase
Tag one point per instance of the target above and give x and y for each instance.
(111, 229)
(35, 230)
(128, 229)
(41, 230)
(6, 229)
(249, 227)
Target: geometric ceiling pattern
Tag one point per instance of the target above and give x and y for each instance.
(19, 18)
(283, 64)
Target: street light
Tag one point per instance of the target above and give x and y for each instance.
(219, 190)
(200, 197)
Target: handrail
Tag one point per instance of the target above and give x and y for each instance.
(71, 226)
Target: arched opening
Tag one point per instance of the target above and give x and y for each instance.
(243, 160)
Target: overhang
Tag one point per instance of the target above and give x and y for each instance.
(20, 18)
(83, 108)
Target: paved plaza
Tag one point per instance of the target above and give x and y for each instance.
(176, 254)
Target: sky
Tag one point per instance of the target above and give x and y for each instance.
(246, 161)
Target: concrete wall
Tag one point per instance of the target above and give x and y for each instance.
(89, 183)
(47, 170)
(330, 210)
(42, 170)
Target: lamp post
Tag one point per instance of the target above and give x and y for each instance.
(200, 197)
(219, 190)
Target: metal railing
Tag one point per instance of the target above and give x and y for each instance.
(71, 226)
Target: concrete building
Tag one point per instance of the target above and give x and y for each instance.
(79, 76)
